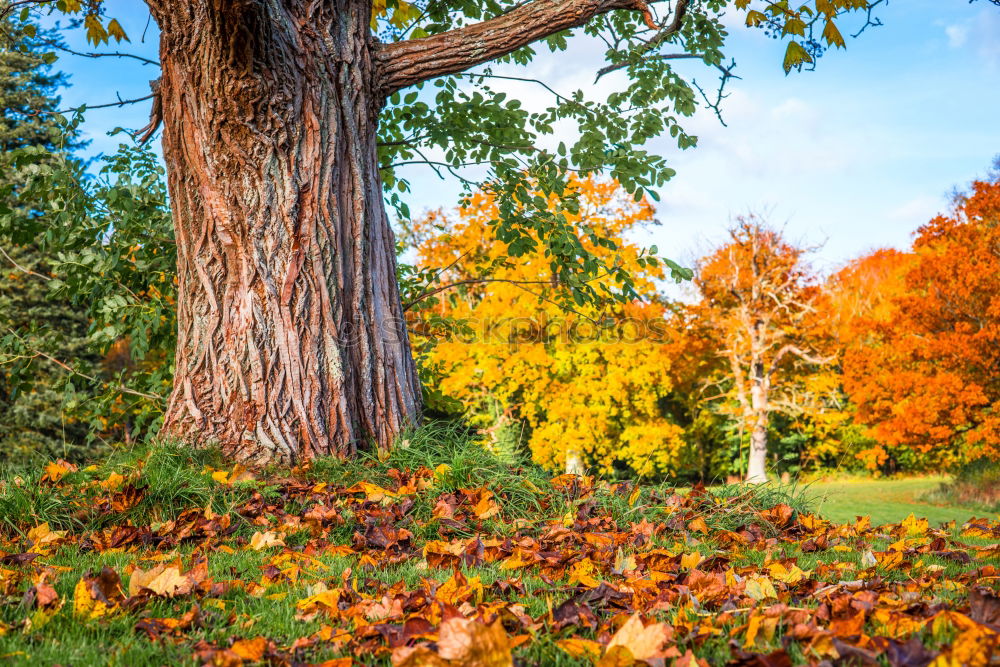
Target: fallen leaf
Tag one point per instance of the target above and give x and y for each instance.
(261, 541)
(642, 642)
(470, 643)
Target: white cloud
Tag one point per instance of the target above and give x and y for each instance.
(957, 35)
(981, 34)
(916, 211)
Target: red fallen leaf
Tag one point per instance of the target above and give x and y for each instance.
(397, 635)
(911, 653)
(741, 658)
(445, 508)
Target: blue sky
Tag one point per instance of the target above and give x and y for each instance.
(853, 156)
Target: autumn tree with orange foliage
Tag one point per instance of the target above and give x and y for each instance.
(758, 305)
(583, 381)
(927, 374)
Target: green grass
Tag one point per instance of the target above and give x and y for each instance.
(885, 501)
(531, 507)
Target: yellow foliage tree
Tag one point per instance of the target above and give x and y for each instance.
(584, 382)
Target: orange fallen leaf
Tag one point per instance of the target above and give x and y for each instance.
(580, 648)
(417, 656)
(470, 643)
(643, 642)
(698, 525)
(251, 650)
(264, 540)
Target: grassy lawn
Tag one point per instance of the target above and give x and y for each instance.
(439, 554)
(885, 501)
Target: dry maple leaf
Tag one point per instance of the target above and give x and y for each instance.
(642, 642)
(43, 539)
(55, 471)
(163, 580)
(486, 507)
(97, 595)
(417, 656)
(251, 650)
(264, 540)
(581, 648)
(469, 643)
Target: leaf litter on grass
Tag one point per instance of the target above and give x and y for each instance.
(410, 569)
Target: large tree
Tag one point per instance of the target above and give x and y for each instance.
(758, 301)
(283, 119)
(926, 374)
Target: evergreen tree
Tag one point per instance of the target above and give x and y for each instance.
(36, 394)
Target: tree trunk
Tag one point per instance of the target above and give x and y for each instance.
(757, 459)
(291, 340)
(757, 463)
(574, 462)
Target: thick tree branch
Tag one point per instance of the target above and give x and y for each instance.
(403, 64)
(801, 354)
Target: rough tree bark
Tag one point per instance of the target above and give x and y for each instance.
(291, 338)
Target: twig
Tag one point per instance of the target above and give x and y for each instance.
(120, 387)
(23, 269)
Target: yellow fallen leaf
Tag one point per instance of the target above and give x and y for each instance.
(44, 539)
(582, 572)
(915, 526)
(786, 575)
(691, 560)
(760, 588)
(486, 507)
(250, 650)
